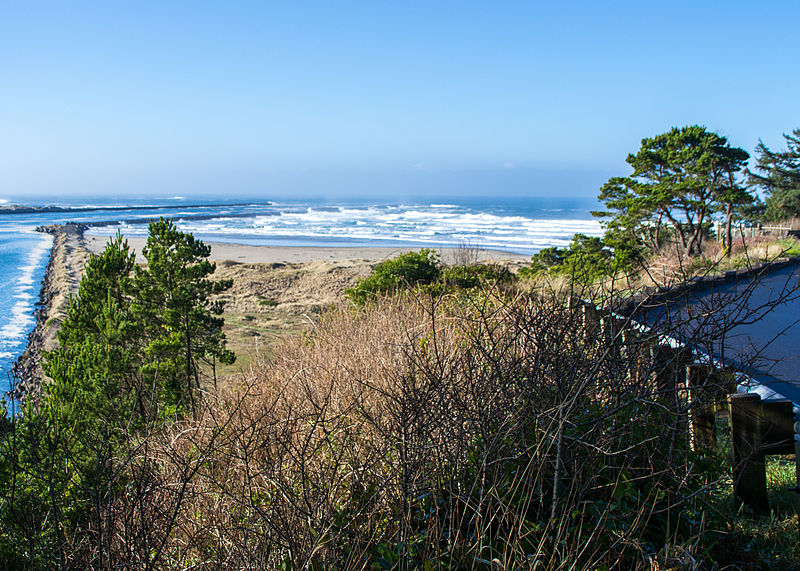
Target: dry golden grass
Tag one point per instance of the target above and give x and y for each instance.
(447, 432)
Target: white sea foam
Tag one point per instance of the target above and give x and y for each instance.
(21, 314)
(433, 225)
(20, 321)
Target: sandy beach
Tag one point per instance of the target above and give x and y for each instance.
(248, 254)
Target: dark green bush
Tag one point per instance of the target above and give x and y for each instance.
(586, 260)
(406, 270)
(422, 269)
(475, 275)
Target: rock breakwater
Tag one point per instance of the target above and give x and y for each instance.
(68, 255)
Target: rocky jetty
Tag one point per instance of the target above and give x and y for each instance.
(68, 256)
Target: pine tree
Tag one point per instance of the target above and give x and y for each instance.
(63, 448)
(173, 303)
(778, 173)
(680, 180)
(125, 345)
(95, 367)
(105, 277)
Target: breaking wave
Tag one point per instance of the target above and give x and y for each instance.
(433, 225)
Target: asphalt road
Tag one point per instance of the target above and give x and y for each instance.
(752, 323)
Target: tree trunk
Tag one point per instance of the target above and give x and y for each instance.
(656, 239)
(189, 384)
(696, 242)
(728, 234)
(678, 231)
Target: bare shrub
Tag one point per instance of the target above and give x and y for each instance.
(465, 254)
(450, 432)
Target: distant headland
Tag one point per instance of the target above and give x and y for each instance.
(24, 209)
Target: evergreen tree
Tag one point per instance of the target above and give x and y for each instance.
(182, 327)
(733, 200)
(586, 260)
(106, 277)
(57, 458)
(680, 180)
(124, 345)
(778, 173)
(95, 365)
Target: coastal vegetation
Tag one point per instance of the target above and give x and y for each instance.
(417, 430)
(684, 183)
(472, 428)
(444, 416)
(152, 329)
(129, 355)
(586, 260)
(423, 270)
(778, 174)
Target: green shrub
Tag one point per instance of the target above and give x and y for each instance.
(404, 271)
(422, 269)
(791, 247)
(475, 275)
(586, 260)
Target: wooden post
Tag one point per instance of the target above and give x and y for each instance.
(606, 330)
(634, 354)
(574, 303)
(669, 369)
(724, 380)
(625, 351)
(702, 406)
(663, 357)
(777, 430)
(590, 320)
(797, 474)
(749, 472)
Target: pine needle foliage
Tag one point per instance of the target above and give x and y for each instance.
(173, 303)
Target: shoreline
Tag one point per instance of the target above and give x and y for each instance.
(66, 259)
(257, 254)
(315, 273)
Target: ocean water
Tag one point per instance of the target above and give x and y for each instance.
(23, 259)
(517, 228)
(522, 226)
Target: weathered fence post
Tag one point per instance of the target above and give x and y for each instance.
(749, 472)
(590, 321)
(777, 431)
(605, 330)
(702, 406)
(627, 337)
(796, 435)
(669, 370)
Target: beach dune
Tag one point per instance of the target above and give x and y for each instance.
(276, 289)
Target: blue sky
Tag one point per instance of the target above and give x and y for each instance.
(376, 98)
